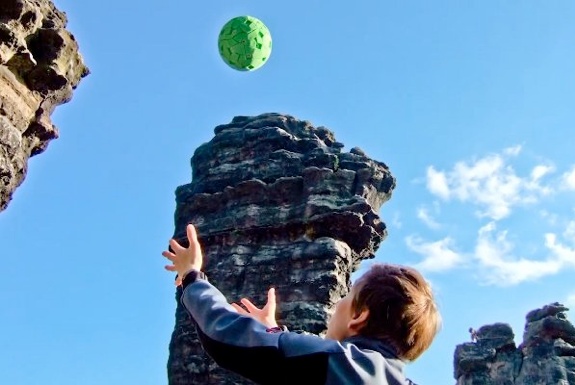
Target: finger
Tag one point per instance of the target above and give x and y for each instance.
(192, 236)
(249, 305)
(169, 255)
(176, 246)
(272, 295)
(271, 299)
(170, 268)
(240, 309)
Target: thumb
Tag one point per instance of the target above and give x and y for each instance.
(272, 300)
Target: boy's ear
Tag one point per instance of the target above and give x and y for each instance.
(359, 320)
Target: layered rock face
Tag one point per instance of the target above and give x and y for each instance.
(277, 203)
(39, 67)
(546, 356)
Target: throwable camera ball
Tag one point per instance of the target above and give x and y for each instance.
(245, 43)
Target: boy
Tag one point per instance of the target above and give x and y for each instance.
(388, 318)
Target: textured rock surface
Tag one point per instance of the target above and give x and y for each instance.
(277, 203)
(39, 68)
(546, 356)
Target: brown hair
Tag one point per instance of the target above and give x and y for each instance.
(402, 310)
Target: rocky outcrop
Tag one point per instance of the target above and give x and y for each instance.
(277, 203)
(39, 68)
(546, 356)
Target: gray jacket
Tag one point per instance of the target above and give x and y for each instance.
(245, 346)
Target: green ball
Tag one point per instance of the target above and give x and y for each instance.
(245, 43)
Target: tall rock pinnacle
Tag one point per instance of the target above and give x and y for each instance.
(276, 203)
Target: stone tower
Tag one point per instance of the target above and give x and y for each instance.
(276, 203)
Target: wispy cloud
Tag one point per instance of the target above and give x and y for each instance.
(500, 266)
(563, 250)
(490, 183)
(513, 150)
(569, 232)
(437, 256)
(396, 221)
(551, 218)
(540, 171)
(424, 215)
(568, 179)
(493, 186)
(437, 183)
(494, 257)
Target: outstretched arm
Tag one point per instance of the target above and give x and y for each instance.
(238, 342)
(246, 346)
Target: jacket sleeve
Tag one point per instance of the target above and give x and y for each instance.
(245, 346)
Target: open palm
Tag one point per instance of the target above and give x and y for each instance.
(265, 315)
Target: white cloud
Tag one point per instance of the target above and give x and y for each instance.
(437, 256)
(437, 183)
(551, 218)
(490, 183)
(424, 215)
(540, 171)
(569, 232)
(495, 188)
(568, 179)
(513, 151)
(494, 257)
(563, 251)
(396, 221)
(499, 266)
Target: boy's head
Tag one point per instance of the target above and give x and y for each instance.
(392, 303)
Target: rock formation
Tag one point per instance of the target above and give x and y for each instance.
(277, 203)
(546, 356)
(39, 68)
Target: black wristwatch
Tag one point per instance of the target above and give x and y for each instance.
(191, 277)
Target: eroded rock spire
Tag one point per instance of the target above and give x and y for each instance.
(277, 203)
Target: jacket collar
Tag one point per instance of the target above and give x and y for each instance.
(374, 344)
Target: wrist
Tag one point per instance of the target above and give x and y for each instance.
(277, 329)
(272, 324)
(187, 270)
(191, 277)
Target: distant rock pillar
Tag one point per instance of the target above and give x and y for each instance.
(277, 203)
(546, 356)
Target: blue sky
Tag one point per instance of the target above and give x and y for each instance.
(469, 103)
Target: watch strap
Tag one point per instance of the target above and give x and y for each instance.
(191, 277)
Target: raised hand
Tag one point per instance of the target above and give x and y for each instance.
(185, 259)
(265, 315)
